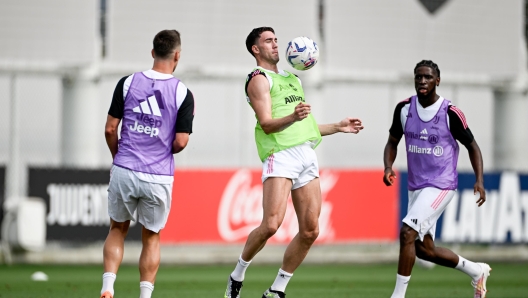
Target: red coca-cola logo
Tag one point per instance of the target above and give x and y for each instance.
(240, 209)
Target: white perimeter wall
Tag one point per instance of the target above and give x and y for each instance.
(369, 52)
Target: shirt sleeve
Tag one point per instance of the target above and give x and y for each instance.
(396, 129)
(118, 101)
(253, 74)
(459, 127)
(185, 116)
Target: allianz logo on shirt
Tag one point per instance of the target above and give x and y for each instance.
(436, 151)
(147, 124)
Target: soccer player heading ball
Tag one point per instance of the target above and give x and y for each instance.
(285, 140)
(431, 126)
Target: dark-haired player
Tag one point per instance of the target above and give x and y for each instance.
(431, 126)
(286, 135)
(157, 111)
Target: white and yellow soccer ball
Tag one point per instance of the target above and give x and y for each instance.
(302, 53)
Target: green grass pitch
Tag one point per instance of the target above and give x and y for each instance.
(335, 281)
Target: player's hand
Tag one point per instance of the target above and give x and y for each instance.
(302, 110)
(350, 125)
(389, 176)
(479, 187)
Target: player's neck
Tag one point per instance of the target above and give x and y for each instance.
(164, 66)
(268, 66)
(428, 99)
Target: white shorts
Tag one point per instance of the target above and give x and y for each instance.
(297, 163)
(425, 207)
(127, 193)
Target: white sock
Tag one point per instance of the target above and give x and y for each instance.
(281, 281)
(108, 282)
(145, 289)
(401, 286)
(240, 270)
(470, 268)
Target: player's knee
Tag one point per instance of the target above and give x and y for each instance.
(269, 230)
(309, 235)
(407, 235)
(149, 237)
(424, 254)
(121, 227)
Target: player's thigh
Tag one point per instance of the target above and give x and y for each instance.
(428, 205)
(154, 205)
(121, 226)
(122, 194)
(426, 245)
(276, 191)
(307, 202)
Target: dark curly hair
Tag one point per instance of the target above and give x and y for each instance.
(254, 35)
(429, 64)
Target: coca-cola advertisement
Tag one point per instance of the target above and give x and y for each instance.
(223, 206)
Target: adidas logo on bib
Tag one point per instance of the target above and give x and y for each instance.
(144, 108)
(150, 125)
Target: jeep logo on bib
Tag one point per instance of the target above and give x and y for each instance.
(148, 130)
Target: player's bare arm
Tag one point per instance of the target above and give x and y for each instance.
(259, 96)
(111, 134)
(180, 142)
(347, 125)
(389, 156)
(475, 156)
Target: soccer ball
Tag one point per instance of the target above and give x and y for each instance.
(302, 53)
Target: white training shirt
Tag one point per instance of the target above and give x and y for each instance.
(425, 114)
